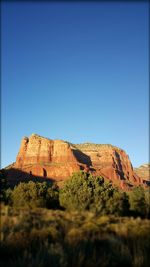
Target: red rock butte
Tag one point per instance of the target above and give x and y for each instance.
(58, 160)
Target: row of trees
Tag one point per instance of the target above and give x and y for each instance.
(81, 192)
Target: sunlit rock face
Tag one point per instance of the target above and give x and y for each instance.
(57, 159)
(143, 171)
(37, 149)
(44, 157)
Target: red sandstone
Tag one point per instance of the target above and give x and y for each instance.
(56, 159)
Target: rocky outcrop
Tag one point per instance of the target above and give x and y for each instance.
(48, 158)
(144, 172)
(57, 160)
(37, 150)
(111, 162)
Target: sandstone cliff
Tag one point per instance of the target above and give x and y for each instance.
(111, 162)
(57, 160)
(41, 156)
(144, 172)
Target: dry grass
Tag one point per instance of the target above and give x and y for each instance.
(42, 237)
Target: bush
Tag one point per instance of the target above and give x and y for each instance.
(76, 193)
(85, 192)
(118, 204)
(137, 201)
(42, 238)
(35, 194)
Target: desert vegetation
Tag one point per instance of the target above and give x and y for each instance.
(85, 192)
(41, 237)
(87, 223)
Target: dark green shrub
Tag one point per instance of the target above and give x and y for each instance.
(86, 192)
(35, 194)
(118, 204)
(137, 201)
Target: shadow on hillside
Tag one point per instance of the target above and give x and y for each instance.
(15, 176)
(82, 158)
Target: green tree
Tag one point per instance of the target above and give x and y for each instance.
(137, 201)
(85, 192)
(118, 204)
(35, 194)
(76, 193)
(52, 198)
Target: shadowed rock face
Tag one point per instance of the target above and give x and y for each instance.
(58, 159)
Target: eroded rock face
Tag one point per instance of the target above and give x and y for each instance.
(38, 150)
(48, 158)
(111, 162)
(143, 171)
(57, 160)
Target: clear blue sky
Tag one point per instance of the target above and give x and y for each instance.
(77, 72)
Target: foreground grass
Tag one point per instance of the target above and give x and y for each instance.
(42, 238)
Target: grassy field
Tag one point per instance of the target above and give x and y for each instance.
(54, 238)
